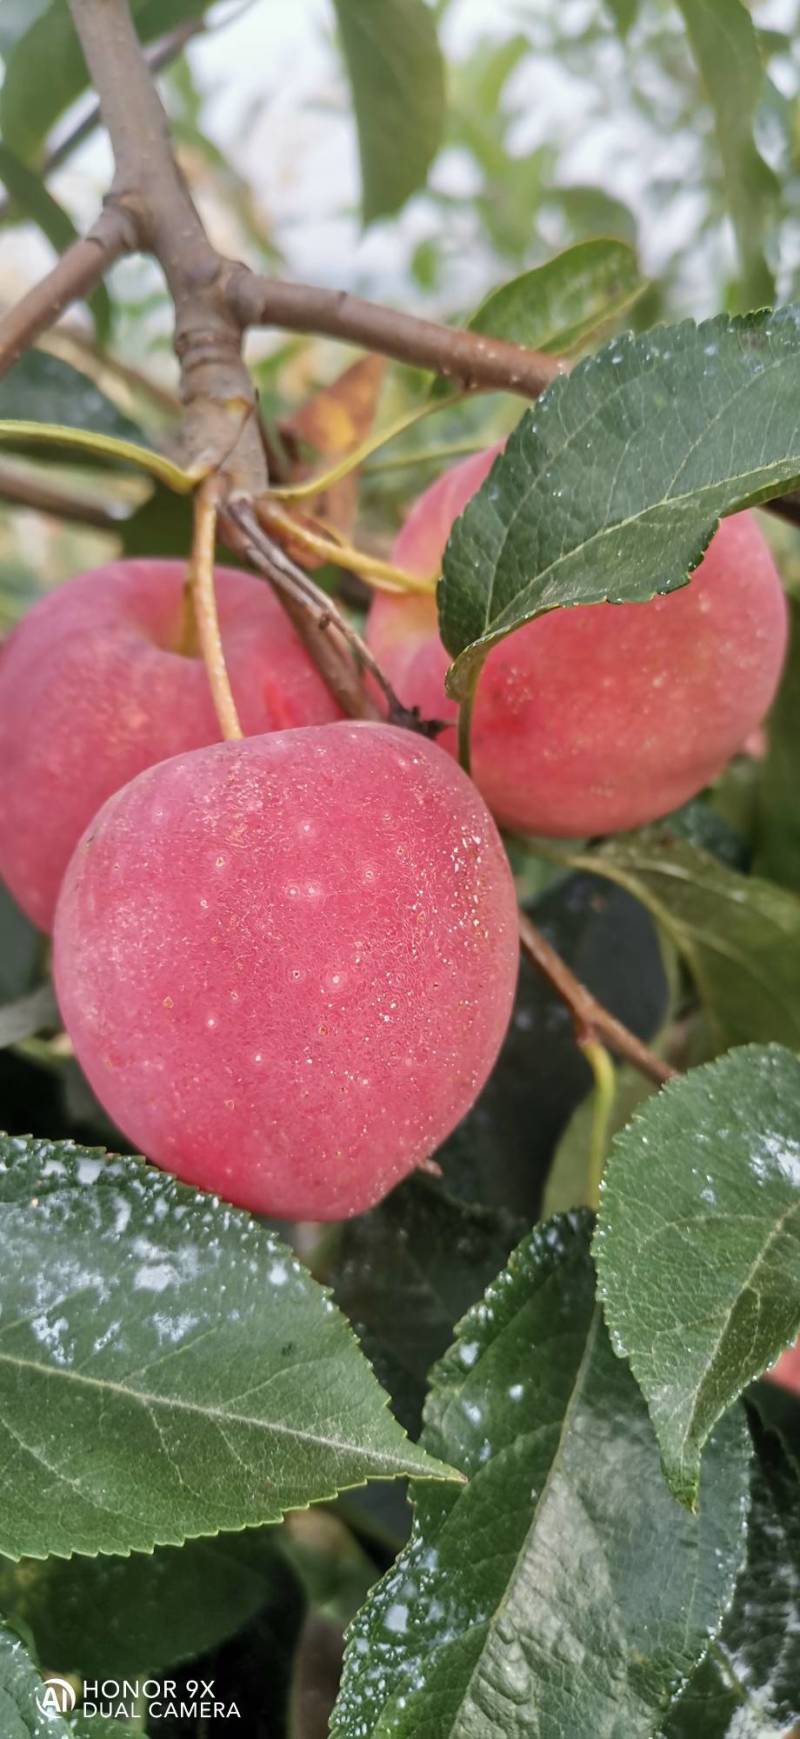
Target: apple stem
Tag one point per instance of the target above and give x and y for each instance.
(373, 443)
(201, 581)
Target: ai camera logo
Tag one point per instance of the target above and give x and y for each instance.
(56, 1697)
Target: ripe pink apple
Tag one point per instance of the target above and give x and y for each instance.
(602, 717)
(786, 1371)
(93, 689)
(287, 963)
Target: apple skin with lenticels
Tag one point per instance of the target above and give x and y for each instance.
(602, 717)
(287, 963)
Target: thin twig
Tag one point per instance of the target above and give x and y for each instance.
(74, 275)
(425, 456)
(321, 627)
(61, 504)
(201, 580)
(471, 359)
(383, 575)
(218, 395)
(591, 1018)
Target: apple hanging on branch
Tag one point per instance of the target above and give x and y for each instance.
(602, 717)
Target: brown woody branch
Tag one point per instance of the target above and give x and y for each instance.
(75, 275)
(320, 625)
(218, 394)
(470, 359)
(591, 1019)
(30, 492)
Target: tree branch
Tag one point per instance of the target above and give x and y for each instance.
(220, 423)
(590, 1017)
(73, 276)
(315, 616)
(42, 497)
(470, 359)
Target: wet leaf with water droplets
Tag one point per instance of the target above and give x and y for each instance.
(749, 1687)
(698, 1243)
(167, 1368)
(25, 1710)
(507, 1616)
(407, 1271)
(612, 485)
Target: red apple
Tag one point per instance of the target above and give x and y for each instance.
(287, 963)
(94, 687)
(602, 717)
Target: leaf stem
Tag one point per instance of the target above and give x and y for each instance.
(383, 575)
(201, 579)
(373, 443)
(605, 1091)
(588, 1013)
(426, 456)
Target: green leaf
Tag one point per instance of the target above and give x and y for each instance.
(20, 950)
(569, 1180)
(612, 486)
(44, 66)
(777, 853)
(623, 13)
(40, 388)
(23, 1691)
(750, 1685)
(557, 306)
(407, 1271)
(117, 1617)
(561, 1592)
(162, 526)
(20, 1685)
(589, 211)
(698, 1243)
(29, 1014)
(29, 194)
(136, 1411)
(397, 78)
(101, 447)
(739, 936)
(710, 1708)
(725, 46)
